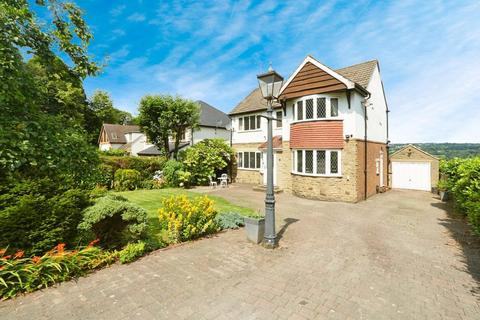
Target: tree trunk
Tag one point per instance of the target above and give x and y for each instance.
(177, 143)
(166, 147)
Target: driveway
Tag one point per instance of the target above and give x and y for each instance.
(397, 255)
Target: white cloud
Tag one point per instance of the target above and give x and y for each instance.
(136, 17)
(118, 10)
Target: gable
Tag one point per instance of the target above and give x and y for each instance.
(311, 80)
(412, 152)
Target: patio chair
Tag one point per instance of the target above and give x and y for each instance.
(213, 184)
(224, 180)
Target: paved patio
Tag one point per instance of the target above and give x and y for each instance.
(396, 256)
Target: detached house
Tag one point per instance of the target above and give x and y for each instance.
(330, 138)
(214, 124)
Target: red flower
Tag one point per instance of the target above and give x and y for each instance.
(36, 259)
(19, 254)
(92, 243)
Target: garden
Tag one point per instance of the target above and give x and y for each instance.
(65, 208)
(460, 179)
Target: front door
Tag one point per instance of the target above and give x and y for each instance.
(264, 168)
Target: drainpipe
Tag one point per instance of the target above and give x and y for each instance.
(365, 105)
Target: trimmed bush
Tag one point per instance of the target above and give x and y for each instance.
(147, 166)
(36, 215)
(105, 176)
(183, 219)
(127, 179)
(114, 221)
(175, 175)
(463, 180)
(132, 252)
(230, 220)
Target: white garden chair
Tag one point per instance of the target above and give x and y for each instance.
(224, 180)
(213, 184)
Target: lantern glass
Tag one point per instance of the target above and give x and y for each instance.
(270, 84)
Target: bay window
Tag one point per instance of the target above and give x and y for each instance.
(316, 108)
(249, 160)
(317, 162)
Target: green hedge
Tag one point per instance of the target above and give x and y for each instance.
(145, 165)
(463, 181)
(127, 179)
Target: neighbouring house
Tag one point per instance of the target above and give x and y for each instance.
(214, 124)
(331, 137)
(412, 168)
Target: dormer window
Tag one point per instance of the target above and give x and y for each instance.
(316, 108)
(114, 136)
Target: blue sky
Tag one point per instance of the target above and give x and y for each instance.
(429, 53)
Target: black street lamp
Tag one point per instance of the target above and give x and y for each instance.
(270, 84)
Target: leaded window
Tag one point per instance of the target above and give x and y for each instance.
(240, 159)
(321, 160)
(252, 160)
(279, 119)
(300, 110)
(334, 162)
(259, 160)
(308, 161)
(321, 108)
(309, 109)
(299, 161)
(249, 160)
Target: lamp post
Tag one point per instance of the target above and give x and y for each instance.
(270, 84)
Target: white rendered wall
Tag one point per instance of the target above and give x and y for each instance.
(211, 133)
(377, 116)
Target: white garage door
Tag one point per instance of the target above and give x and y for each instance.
(411, 175)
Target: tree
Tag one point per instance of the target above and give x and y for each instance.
(36, 140)
(164, 117)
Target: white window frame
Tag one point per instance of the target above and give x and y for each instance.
(327, 163)
(242, 128)
(241, 154)
(281, 120)
(328, 107)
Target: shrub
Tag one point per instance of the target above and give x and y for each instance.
(208, 158)
(19, 274)
(184, 220)
(132, 251)
(147, 166)
(114, 221)
(36, 215)
(127, 179)
(112, 152)
(230, 220)
(105, 176)
(463, 180)
(174, 173)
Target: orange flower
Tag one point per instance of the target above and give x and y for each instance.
(92, 243)
(19, 254)
(36, 259)
(7, 257)
(60, 247)
(2, 251)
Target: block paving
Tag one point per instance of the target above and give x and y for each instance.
(397, 255)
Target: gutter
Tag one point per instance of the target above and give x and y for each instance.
(365, 172)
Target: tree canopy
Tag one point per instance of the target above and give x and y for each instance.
(165, 117)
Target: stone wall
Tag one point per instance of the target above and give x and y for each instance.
(331, 188)
(249, 176)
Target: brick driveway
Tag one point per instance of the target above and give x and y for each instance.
(396, 256)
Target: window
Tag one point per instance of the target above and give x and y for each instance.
(300, 110)
(334, 107)
(114, 136)
(319, 108)
(249, 123)
(249, 160)
(279, 119)
(317, 162)
(309, 109)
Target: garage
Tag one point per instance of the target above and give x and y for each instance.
(414, 169)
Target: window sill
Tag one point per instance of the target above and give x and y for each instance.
(322, 119)
(245, 131)
(317, 175)
(248, 169)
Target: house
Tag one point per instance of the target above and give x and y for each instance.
(412, 168)
(213, 124)
(330, 137)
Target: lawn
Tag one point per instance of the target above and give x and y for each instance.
(151, 200)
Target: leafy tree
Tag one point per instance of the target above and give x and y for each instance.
(164, 117)
(208, 158)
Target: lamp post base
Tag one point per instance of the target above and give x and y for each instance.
(269, 243)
